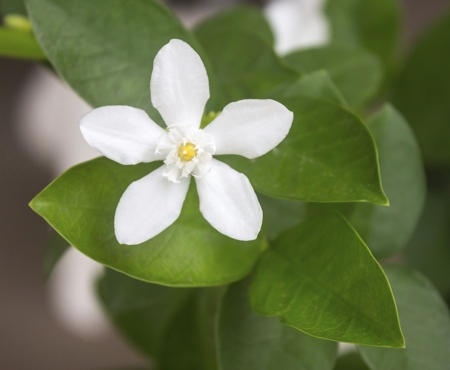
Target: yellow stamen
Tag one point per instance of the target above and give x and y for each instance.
(187, 151)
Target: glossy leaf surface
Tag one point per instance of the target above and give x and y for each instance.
(355, 72)
(252, 342)
(81, 204)
(320, 278)
(425, 322)
(423, 93)
(174, 326)
(328, 156)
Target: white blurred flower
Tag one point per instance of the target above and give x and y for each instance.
(297, 24)
(179, 91)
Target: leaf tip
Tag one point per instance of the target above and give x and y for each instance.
(381, 199)
(36, 204)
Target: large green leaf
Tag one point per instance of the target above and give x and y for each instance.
(81, 204)
(245, 65)
(251, 342)
(355, 72)
(172, 325)
(105, 49)
(386, 230)
(19, 44)
(320, 278)
(328, 156)
(244, 18)
(429, 248)
(425, 322)
(371, 24)
(423, 93)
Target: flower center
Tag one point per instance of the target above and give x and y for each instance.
(187, 151)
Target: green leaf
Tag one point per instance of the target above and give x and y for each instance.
(12, 7)
(251, 342)
(19, 44)
(328, 156)
(322, 279)
(371, 24)
(172, 325)
(57, 246)
(386, 230)
(423, 93)
(426, 324)
(105, 49)
(355, 72)
(245, 65)
(352, 361)
(81, 204)
(316, 85)
(244, 18)
(280, 214)
(429, 248)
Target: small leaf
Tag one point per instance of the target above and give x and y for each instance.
(245, 18)
(19, 44)
(54, 251)
(328, 156)
(355, 72)
(425, 322)
(320, 278)
(105, 49)
(253, 74)
(172, 325)
(423, 93)
(429, 249)
(251, 342)
(386, 230)
(81, 205)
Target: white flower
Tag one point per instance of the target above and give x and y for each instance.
(179, 91)
(297, 24)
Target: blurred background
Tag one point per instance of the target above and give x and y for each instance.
(34, 333)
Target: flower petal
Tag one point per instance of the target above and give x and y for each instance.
(229, 203)
(179, 85)
(148, 206)
(250, 128)
(124, 134)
